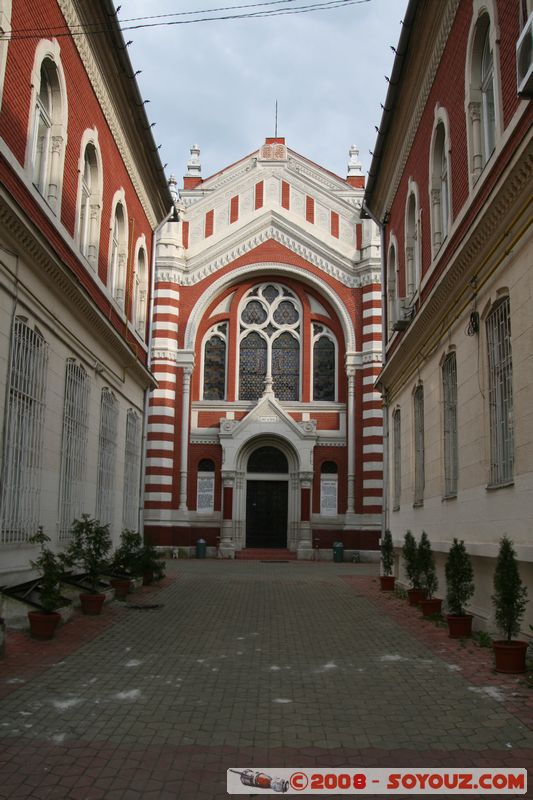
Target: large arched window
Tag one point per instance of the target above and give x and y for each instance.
(481, 89)
(393, 302)
(269, 321)
(412, 247)
(440, 187)
(214, 374)
(5, 31)
(89, 199)
(140, 291)
(47, 134)
(324, 360)
(118, 253)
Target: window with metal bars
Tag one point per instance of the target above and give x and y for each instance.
(449, 395)
(397, 459)
(73, 446)
(324, 358)
(500, 394)
(419, 446)
(132, 464)
(107, 453)
(215, 363)
(23, 441)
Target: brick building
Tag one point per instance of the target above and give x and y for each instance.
(81, 192)
(265, 430)
(450, 183)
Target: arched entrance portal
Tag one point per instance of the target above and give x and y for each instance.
(267, 493)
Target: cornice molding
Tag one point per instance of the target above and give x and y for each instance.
(422, 97)
(106, 104)
(339, 267)
(499, 217)
(65, 283)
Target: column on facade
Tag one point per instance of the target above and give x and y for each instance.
(350, 433)
(227, 542)
(184, 455)
(475, 125)
(160, 455)
(372, 412)
(437, 227)
(305, 543)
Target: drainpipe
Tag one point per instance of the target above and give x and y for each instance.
(174, 217)
(384, 327)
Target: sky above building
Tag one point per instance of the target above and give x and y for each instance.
(216, 83)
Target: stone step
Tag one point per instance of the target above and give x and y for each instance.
(265, 554)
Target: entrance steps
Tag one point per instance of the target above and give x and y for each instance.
(265, 554)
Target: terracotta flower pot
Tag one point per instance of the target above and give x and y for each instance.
(430, 606)
(43, 624)
(415, 596)
(91, 604)
(121, 587)
(510, 656)
(459, 627)
(387, 583)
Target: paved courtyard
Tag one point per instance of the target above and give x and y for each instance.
(243, 664)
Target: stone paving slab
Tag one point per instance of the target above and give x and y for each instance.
(244, 663)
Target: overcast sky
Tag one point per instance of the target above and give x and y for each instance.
(216, 83)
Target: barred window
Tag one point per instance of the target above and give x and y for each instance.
(397, 459)
(500, 394)
(23, 441)
(449, 393)
(107, 452)
(270, 343)
(73, 446)
(132, 465)
(419, 446)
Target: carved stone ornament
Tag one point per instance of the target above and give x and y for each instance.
(309, 426)
(273, 152)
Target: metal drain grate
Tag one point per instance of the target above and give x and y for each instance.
(144, 606)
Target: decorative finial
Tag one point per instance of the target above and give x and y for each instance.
(173, 186)
(354, 165)
(194, 168)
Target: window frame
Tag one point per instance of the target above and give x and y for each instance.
(315, 337)
(440, 182)
(23, 444)
(118, 250)
(419, 446)
(501, 403)
(220, 329)
(89, 200)
(397, 459)
(74, 440)
(107, 456)
(450, 434)
(49, 183)
(132, 470)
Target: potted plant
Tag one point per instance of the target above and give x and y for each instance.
(89, 549)
(125, 563)
(151, 566)
(459, 590)
(387, 563)
(412, 568)
(428, 578)
(509, 600)
(44, 622)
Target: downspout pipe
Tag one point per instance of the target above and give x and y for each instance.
(172, 216)
(382, 225)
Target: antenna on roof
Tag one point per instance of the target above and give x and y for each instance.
(276, 130)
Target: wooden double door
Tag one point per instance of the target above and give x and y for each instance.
(266, 513)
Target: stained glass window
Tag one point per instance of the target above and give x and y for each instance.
(254, 313)
(270, 293)
(286, 314)
(286, 367)
(253, 367)
(215, 368)
(324, 369)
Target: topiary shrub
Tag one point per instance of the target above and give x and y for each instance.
(459, 579)
(510, 594)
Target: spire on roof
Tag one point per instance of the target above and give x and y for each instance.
(173, 186)
(194, 168)
(354, 165)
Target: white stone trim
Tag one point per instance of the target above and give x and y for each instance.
(171, 294)
(373, 431)
(159, 427)
(372, 448)
(161, 463)
(372, 483)
(372, 466)
(162, 497)
(161, 411)
(161, 309)
(155, 444)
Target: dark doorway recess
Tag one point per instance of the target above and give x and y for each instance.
(266, 513)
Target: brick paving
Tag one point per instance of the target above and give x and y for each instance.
(248, 664)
